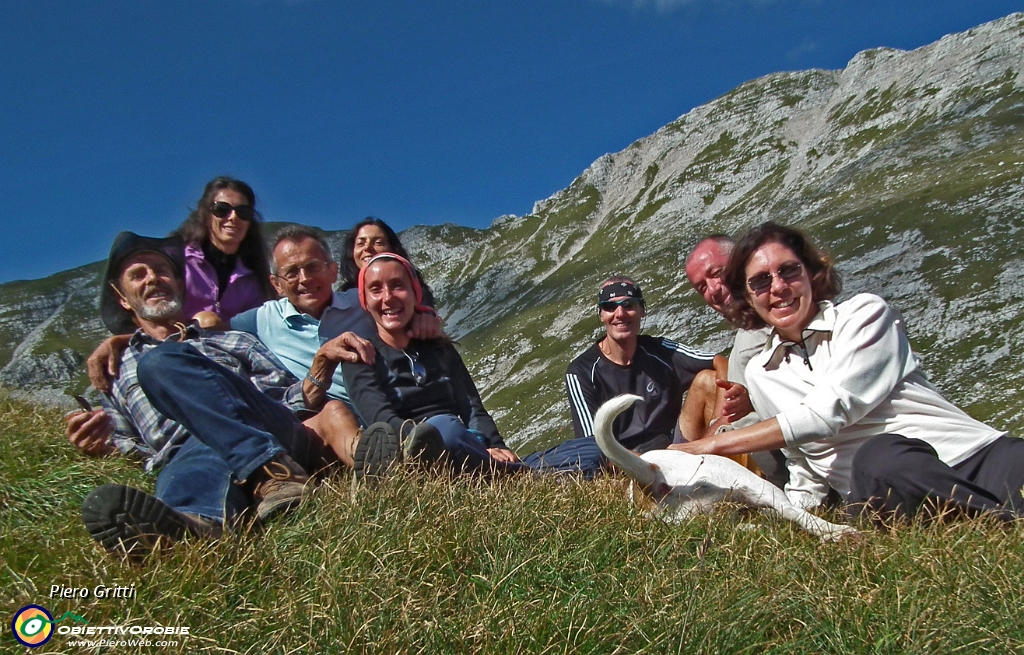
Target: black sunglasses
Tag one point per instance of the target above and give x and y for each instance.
(222, 209)
(629, 304)
(763, 281)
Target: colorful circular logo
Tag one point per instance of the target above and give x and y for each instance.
(32, 626)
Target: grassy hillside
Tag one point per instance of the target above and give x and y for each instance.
(426, 564)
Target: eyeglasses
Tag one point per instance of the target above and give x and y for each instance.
(222, 209)
(629, 304)
(419, 371)
(311, 269)
(763, 281)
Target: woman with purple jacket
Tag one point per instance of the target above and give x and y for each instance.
(226, 269)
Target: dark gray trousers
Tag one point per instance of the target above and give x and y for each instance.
(896, 476)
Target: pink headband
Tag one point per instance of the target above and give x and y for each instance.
(417, 287)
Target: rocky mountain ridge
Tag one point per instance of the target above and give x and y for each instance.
(907, 165)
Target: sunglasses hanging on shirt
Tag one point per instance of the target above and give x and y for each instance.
(416, 367)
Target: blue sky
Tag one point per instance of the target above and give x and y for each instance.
(113, 115)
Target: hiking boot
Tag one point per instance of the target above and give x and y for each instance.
(279, 485)
(131, 522)
(423, 444)
(377, 451)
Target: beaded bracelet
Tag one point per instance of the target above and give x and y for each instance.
(317, 382)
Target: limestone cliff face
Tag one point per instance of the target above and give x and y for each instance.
(907, 165)
(47, 328)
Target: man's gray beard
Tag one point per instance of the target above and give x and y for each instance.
(161, 310)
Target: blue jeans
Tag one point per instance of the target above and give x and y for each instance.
(581, 456)
(235, 429)
(466, 452)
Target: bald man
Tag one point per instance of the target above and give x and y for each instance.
(705, 267)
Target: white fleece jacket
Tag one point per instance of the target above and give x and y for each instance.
(854, 377)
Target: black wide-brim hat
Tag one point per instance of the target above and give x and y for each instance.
(118, 319)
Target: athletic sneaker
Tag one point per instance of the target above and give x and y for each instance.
(128, 521)
(423, 444)
(377, 451)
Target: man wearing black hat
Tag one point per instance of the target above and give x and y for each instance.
(210, 410)
(623, 361)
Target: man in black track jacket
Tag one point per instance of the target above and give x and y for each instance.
(624, 361)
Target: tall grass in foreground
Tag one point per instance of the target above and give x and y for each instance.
(423, 564)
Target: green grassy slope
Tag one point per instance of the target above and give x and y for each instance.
(422, 564)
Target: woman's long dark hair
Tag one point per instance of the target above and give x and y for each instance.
(252, 251)
(347, 263)
(826, 282)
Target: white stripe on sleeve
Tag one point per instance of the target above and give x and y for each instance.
(579, 403)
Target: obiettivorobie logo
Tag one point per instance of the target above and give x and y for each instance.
(32, 625)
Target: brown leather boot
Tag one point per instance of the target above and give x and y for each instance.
(277, 486)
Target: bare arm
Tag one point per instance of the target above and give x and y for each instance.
(721, 365)
(702, 407)
(766, 435)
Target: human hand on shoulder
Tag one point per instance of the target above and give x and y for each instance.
(104, 363)
(211, 321)
(347, 347)
(425, 326)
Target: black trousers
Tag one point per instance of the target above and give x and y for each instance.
(773, 465)
(896, 476)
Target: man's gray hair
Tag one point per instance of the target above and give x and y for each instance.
(298, 233)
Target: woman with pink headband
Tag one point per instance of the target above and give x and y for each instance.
(417, 397)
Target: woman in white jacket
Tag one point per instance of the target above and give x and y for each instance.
(838, 387)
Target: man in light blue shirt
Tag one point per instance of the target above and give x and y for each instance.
(297, 337)
(312, 328)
